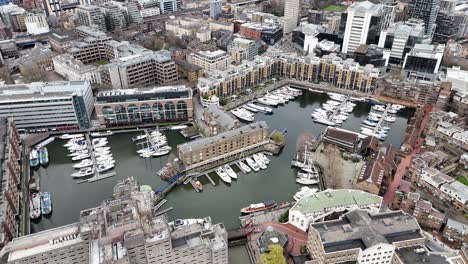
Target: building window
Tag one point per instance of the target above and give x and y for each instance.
(121, 114)
(145, 111)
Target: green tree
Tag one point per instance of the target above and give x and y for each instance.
(284, 217)
(278, 138)
(275, 256)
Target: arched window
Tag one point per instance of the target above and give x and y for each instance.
(158, 111)
(121, 114)
(145, 111)
(170, 110)
(108, 114)
(134, 113)
(182, 110)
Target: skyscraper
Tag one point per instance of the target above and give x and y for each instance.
(291, 15)
(363, 25)
(216, 8)
(427, 11)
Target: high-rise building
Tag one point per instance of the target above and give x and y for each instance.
(427, 11)
(291, 15)
(363, 25)
(423, 62)
(58, 7)
(242, 49)
(124, 229)
(91, 15)
(36, 24)
(61, 105)
(216, 8)
(131, 10)
(115, 17)
(169, 6)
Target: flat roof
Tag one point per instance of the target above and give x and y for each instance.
(324, 200)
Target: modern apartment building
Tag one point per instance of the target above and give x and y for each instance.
(346, 74)
(291, 15)
(210, 150)
(90, 15)
(427, 11)
(144, 105)
(124, 229)
(58, 105)
(216, 8)
(363, 25)
(169, 6)
(60, 41)
(360, 237)
(315, 208)
(210, 60)
(130, 65)
(10, 155)
(423, 62)
(58, 7)
(75, 70)
(242, 49)
(114, 16)
(188, 26)
(131, 9)
(36, 24)
(270, 33)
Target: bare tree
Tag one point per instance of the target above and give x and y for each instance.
(5, 75)
(33, 74)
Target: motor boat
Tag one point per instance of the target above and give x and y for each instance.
(266, 101)
(102, 153)
(378, 108)
(304, 192)
(102, 134)
(244, 167)
(397, 107)
(79, 152)
(275, 98)
(105, 167)
(259, 108)
(251, 109)
(295, 91)
(252, 164)
(243, 114)
(390, 119)
(259, 161)
(33, 158)
(139, 137)
(230, 171)
(35, 206)
(373, 118)
(46, 203)
(83, 173)
(223, 175)
(198, 185)
(392, 111)
(101, 149)
(253, 208)
(306, 178)
(70, 136)
(369, 123)
(264, 158)
(161, 151)
(324, 121)
(81, 156)
(75, 141)
(83, 164)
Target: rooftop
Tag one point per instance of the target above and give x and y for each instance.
(409, 255)
(222, 118)
(330, 199)
(359, 229)
(40, 89)
(146, 90)
(460, 227)
(204, 142)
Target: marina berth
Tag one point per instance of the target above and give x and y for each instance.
(223, 175)
(244, 167)
(230, 171)
(253, 165)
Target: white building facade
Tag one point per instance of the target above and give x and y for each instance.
(36, 24)
(210, 60)
(291, 15)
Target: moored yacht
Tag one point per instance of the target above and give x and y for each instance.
(230, 171)
(244, 167)
(263, 109)
(243, 114)
(304, 192)
(83, 164)
(259, 161)
(266, 101)
(46, 203)
(35, 206)
(83, 173)
(223, 175)
(252, 164)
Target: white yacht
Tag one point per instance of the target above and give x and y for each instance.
(70, 136)
(102, 134)
(223, 175)
(264, 158)
(77, 153)
(304, 192)
(390, 119)
(83, 173)
(83, 164)
(81, 156)
(324, 121)
(243, 114)
(230, 171)
(161, 151)
(378, 108)
(263, 109)
(306, 178)
(252, 164)
(244, 167)
(275, 98)
(266, 101)
(259, 161)
(105, 167)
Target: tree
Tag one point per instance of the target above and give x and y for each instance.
(275, 256)
(33, 74)
(277, 137)
(5, 75)
(284, 217)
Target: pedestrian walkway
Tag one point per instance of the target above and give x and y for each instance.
(405, 162)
